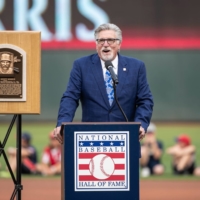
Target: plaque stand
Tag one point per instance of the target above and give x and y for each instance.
(17, 180)
(22, 51)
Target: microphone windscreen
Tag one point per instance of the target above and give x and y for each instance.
(108, 63)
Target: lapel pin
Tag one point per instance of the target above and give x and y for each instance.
(124, 69)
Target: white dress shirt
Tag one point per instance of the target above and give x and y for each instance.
(115, 66)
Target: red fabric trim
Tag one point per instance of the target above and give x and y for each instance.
(136, 43)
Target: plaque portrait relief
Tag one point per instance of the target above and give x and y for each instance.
(12, 73)
(6, 63)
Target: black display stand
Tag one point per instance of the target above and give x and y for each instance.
(17, 180)
(100, 161)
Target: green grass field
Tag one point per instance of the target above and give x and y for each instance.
(165, 132)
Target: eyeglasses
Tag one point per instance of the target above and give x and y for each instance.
(110, 41)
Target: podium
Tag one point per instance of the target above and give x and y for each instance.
(100, 161)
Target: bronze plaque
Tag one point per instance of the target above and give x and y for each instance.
(12, 74)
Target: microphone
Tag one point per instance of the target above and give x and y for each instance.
(109, 67)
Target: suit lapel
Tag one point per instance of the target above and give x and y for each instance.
(98, 74)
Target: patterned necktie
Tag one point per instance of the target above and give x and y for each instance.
(109, 87)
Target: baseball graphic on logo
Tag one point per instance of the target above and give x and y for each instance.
(101, 166)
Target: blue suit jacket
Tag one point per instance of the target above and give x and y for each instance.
(86, 84)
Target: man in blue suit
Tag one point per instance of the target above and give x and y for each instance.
(87, 84)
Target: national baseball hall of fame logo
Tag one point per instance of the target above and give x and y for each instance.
(101, 161)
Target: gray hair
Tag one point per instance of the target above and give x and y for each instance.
(108, 27)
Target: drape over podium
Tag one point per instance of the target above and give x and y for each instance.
(100, 161)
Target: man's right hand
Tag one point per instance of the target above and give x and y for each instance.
(57, 134)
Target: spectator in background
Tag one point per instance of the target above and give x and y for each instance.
(51, 158)
(183, 156)
(28, 154)
(151, 150)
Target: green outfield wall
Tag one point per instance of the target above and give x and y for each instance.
(174, 78)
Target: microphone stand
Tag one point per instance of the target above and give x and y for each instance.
(115, 96)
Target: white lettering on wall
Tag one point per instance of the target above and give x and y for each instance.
(30, 18)
(2, 3)
(24, 17)
(63, 20)
(92, 12)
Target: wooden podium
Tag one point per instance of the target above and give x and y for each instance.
(100, 161)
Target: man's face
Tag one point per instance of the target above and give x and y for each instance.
(5, 65)
(108, 51)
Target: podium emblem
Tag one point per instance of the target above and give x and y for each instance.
(102, 161)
